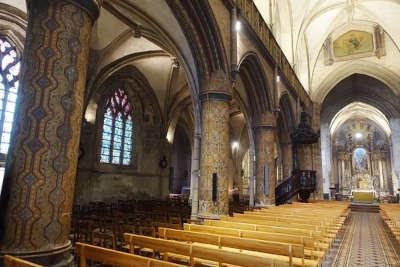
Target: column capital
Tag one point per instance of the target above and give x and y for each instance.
(222, 96)
(266, 120)
(218, 83)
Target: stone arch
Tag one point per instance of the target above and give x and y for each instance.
(255, 82)
(14, 23)
(202, 31)
(286, 110)
(358, 88)
(138, 85)
(362, 67)
(362, 88)
(169, 34)
(285, 125)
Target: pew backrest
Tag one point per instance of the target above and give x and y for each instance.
(262, 228)
(158, 244)
(114, 257)
(202, 251)
(11, 261)
(188, 236)
(253, 244)
(234, 258)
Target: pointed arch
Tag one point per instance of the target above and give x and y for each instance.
(201, 29)
(252, 73)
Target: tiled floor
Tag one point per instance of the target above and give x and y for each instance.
(364, 241)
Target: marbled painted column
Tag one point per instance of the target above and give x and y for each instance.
(40, 174)
(265, 155)
(215, 154)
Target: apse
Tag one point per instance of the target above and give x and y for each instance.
(360, 152)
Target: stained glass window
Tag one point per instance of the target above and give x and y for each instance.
(116, 143)
(9, 72)
(9, 82)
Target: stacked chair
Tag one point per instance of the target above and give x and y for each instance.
(103, 224)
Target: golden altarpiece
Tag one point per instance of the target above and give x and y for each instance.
(361, 158)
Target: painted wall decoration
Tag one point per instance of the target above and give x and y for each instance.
(360, 156)
(353, 42)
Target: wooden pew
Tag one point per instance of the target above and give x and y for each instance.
(316, 236)
(313, 248)
(235, 258)
(391, 215)
(114, 257)
(323, 230)
(10, 261)
(265, 228)
(203, 253)
(328, 224)
(294, 252)
(320, 222)
(318, 219)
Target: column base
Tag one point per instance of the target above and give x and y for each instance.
(61, 257)
(212, 210)
(202, 217)
(264, 205)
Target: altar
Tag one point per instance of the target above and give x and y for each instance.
(363, 189)
(363, 196)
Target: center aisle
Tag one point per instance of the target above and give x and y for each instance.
(364, 241)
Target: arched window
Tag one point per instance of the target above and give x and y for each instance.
(9, 82)
(116, 143)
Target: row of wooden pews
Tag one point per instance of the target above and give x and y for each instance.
(391, 215)
(90, 255)
(289, 235)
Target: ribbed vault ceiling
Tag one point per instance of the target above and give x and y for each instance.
(301, 27)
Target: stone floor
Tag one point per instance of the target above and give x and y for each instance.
(364, 241)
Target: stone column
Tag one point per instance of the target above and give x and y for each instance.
(194, 178)
(326, 157)
(316, 150)
(252, 177)
(395, 147)
(215, 155)
(265, 159)
(40, 174)
(287, 159)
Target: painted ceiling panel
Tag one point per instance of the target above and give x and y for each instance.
(313, 21)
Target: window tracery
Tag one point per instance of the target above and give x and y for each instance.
(9, 83)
